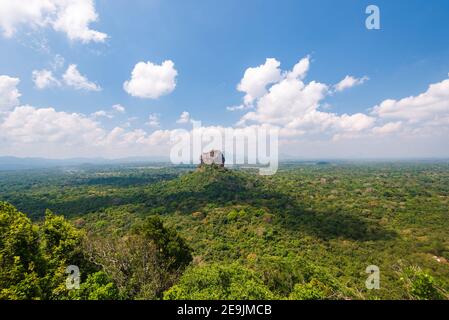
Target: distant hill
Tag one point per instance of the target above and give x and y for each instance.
(17, 163)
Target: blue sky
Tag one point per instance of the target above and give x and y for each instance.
(212, 44)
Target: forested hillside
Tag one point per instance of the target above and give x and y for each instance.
(308, 232)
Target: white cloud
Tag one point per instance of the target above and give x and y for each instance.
(294, 105)
(287, 100)
(300, 69)
(349, 82)
(431, 106)
(355, 122)
(415, 119)
(153, 120)
(27, 124)
(9, 94)
(73, 17)
(151, 81)
(255, 80)
(388, 128)
(413, 126)
(46, 132)
(14, 13)
(116, 109)
(184, 118)
(239, 107)
(318, 122)
(73, 78)
(44, 78)
(119, 108)
(102, 114)
(136, 142)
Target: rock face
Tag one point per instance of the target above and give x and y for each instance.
(213, 157)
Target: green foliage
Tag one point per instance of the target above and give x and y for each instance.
(172, 247)
(222, 282)
(287, 275)
(59, 238)
(307, 232)
(313, 290)
(20, 259)
(60, 247)
(33, 258)
(234, 215)
(421, 285)
(98, 286)
(144, 262)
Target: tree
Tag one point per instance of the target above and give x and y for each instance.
(33, 258)
(20, 258)
(169, 244)
(222, 282)
(60, 244)
(142, 264)
(98, 286)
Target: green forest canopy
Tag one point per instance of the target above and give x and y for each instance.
(307, 232)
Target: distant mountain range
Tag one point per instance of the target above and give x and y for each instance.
(16, 163)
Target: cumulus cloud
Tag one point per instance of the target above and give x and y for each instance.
(136, 142)
(149, 80)
(349, 82)
(32, 131)
(294, 106)
(9, 94)
(44, 78)
(27, 124)
(388, 128)
(300, 69)
(73, 78)
(431, 107)
(287, 100)
(73, 17)
(414, 126)
(184, 118)
(355, 122)
(255, 80)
